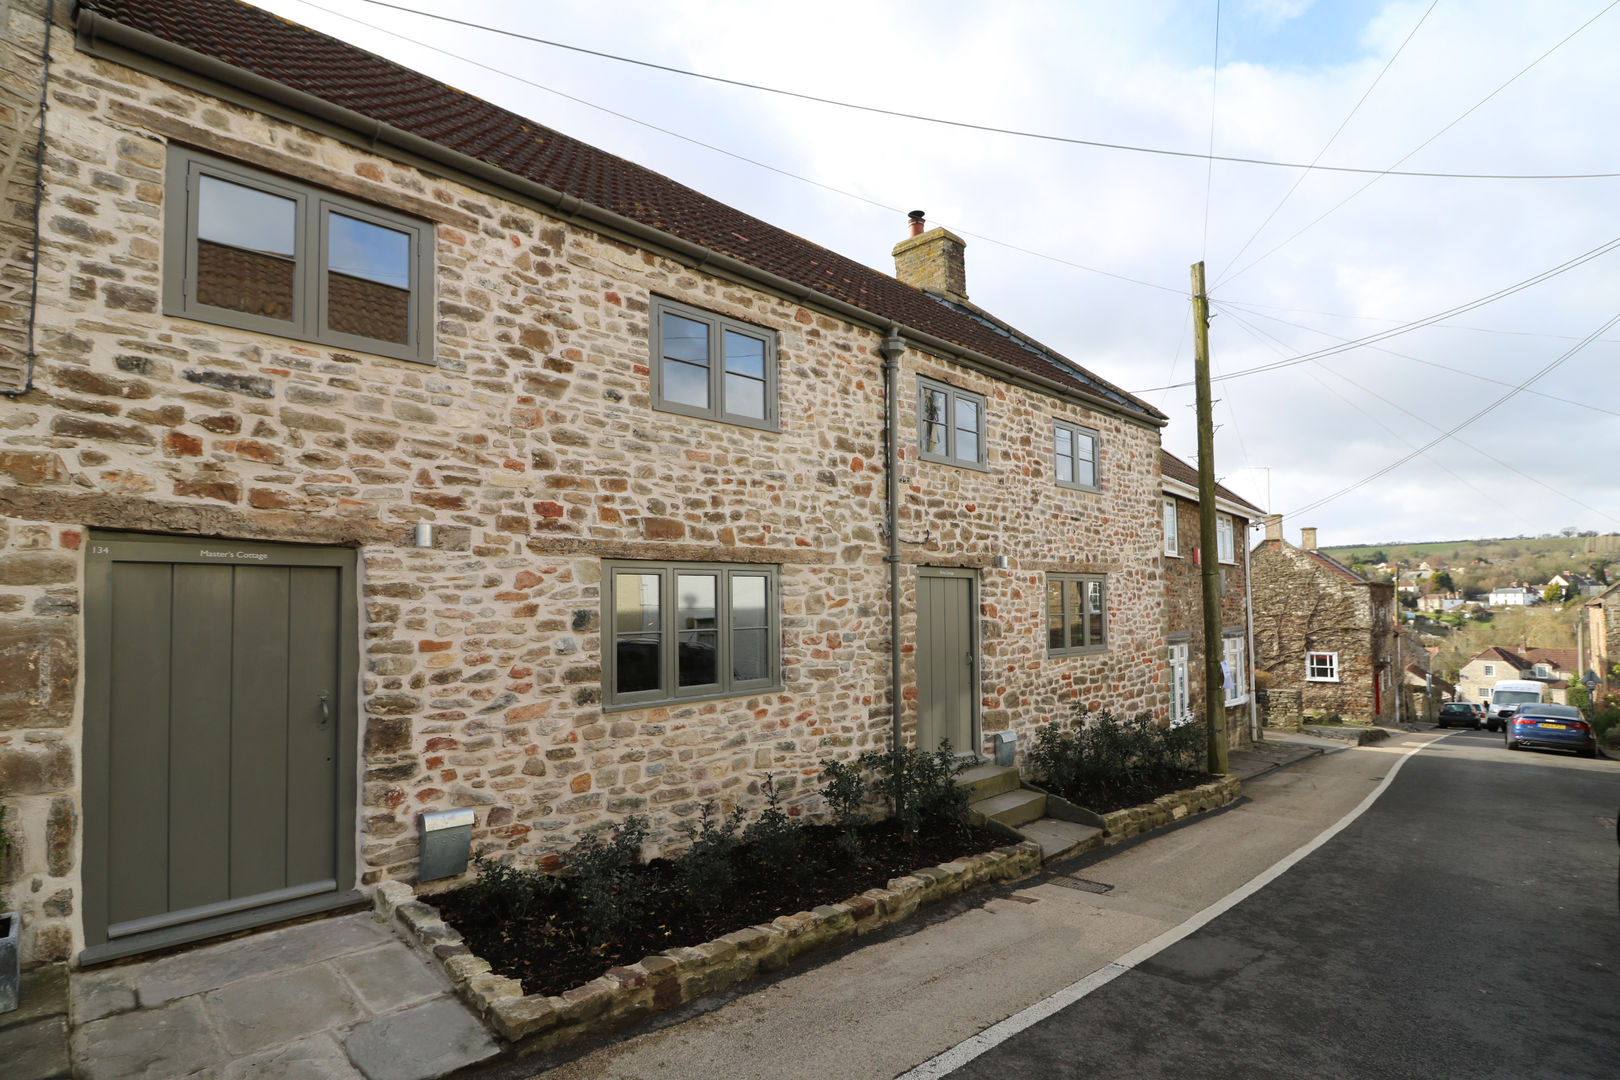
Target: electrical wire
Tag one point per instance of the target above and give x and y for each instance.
(1404, 328)
(1443, 436)
(730, 153)
(1300, 179)
(1469, 112)
(1233, 309)
(1209, 166)
(989, 128)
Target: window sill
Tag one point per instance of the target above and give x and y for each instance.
(976, 466)
(1090, 650)
(770, 425)
(1095, 490)
(675, 703)
(1310, 679)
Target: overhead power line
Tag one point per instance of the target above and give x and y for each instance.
(989, 128)
(1384, 335)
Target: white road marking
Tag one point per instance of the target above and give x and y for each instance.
(993, 1036)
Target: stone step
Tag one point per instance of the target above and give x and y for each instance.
(986, 780)
(1013, 808)
(1059, 838)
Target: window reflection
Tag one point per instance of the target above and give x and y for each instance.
(368, 279)
(698, 638)
(636, 631)
(246, 243)
(750, 633)
(686, 361)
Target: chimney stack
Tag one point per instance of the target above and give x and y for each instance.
(1273, 526)
(1307, 539)
(932, 260)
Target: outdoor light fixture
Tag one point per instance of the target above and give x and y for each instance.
(424, 534)
(1000, 562)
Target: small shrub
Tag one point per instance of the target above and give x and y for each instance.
(707, 869)
(773, 839)
(921, 786)
(611, 903)
(843, 787)
(1102, 761)
(1605, 720)
(510, 894)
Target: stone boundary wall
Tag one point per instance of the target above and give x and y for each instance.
(1281, 710)
(627, 995)
(1134, 820)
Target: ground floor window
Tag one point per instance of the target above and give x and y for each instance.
(1321, 667)
(1076, 617)
(1180, 703)
(676, 631)
(1235, 667)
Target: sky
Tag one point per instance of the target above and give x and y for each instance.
(1500, 419)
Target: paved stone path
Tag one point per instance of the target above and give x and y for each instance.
(337, 999)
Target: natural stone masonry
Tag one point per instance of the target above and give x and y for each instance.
(532, 447)
(1134, 820)
(627, 995)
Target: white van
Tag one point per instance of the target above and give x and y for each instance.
(1506, 697)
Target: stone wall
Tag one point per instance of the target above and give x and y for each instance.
(21, 49)
(1184, 609)
(1302, 605)
(533, 448)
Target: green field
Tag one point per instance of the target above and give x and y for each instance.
(1457, 552)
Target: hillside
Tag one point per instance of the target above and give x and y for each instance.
(1481, 565)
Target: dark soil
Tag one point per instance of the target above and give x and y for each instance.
(1120, 796)
(548, 953)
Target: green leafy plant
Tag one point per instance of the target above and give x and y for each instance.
(1099, 760)
(511, 894)
(921, 785)
(843, 787)
(610, 901)
(773, 840)
(707, 868)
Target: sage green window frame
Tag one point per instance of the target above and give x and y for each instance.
(313, 210)
(952, 454)
(1075, 459)
(719, 326)
(668, 632)
(1083, 598)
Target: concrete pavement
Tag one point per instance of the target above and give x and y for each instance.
(345, 998)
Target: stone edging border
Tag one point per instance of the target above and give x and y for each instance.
(626, 995)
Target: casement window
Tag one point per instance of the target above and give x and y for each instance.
(1321, 667)
(707, 365)
(1172, 537)
(1074, 456)
(1076, 614)
(1543, 671)
(1180, 701)
(1225, 550)
(680, 631)
(256, 251)
(950, 424)
(1237, 669)
(1490, 671)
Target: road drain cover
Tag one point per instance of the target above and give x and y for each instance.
(1082, 884)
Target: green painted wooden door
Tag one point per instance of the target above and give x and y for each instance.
(945, 659)
(215, 675)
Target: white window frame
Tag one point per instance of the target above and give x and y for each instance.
(1490, 671)
(1237, 673)
(719, 326)
(1078, 437)
(668, 632)
(1180, 694)
(953, 395)
(1172, 532)
(1321, 661)
(1225, 549)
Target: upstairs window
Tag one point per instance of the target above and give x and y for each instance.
(1225, 550)
(259, 252)
(1074, 455)
(707, 365)
(1076, 616)
(1321, 667)
(1236, 669)
(1490, 671)
(950, 424)
(1172, 536)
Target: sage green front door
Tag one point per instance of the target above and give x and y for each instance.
(219, 761)
(945, 659)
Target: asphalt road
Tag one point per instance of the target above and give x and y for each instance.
(1465, 926)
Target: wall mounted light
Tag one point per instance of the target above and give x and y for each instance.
(424, 534)
(1000, 562)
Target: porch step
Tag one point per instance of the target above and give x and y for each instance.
(1012, 808)
(1059, 838)
(985, 780)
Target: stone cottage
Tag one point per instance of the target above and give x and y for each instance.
(1184, 597)
(1323, 630)
(368, 450)
(1483, 671)
(1602, 638)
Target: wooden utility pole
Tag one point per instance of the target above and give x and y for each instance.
(1208, 551)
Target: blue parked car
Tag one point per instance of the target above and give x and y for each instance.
(1549, 727)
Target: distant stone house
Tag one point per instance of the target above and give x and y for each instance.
(1483, 671)
(1184, 597)
(1440, 602)
(371, 451)
(1323, 630)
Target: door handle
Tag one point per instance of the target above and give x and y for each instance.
(326, 710)
(970, 659)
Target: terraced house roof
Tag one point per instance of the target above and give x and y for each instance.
(379, 90)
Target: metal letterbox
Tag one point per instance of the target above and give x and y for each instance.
(446, 843)
(1006, 747)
